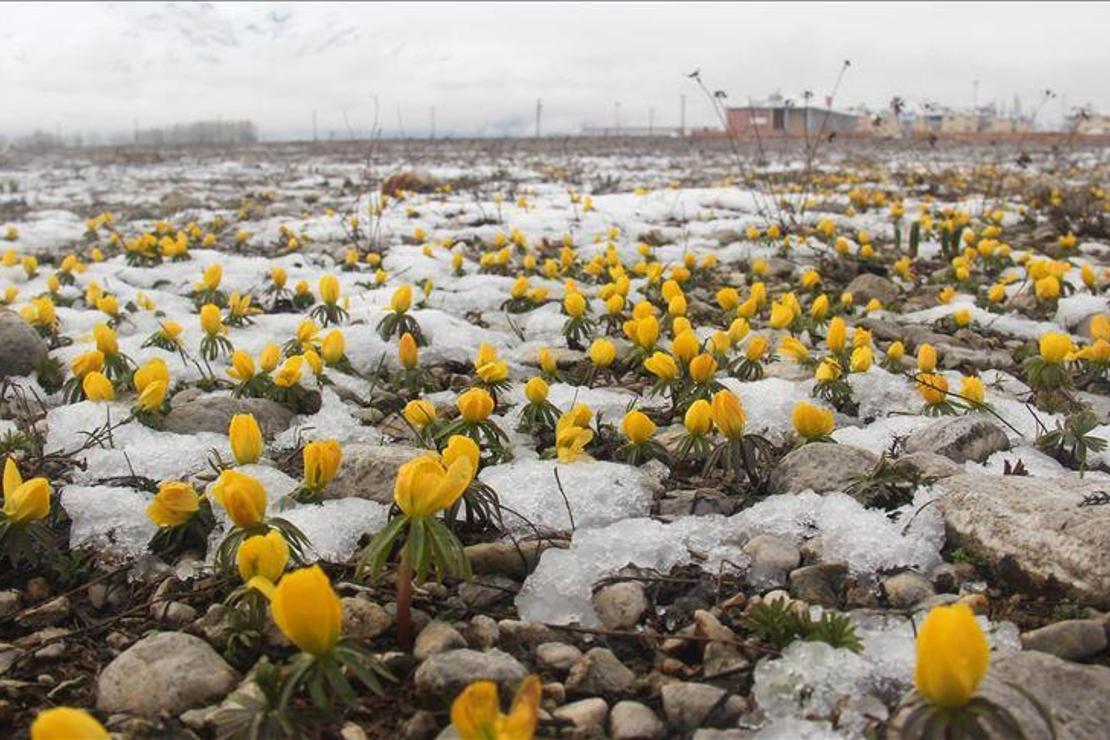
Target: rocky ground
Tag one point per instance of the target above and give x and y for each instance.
(643, 595)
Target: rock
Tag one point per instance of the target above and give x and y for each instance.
(620, 606)
(774, 552)
(557, 657)
(1072, 639)
(46, 615)
(9, 603)
(174, 613)
(697, 502)
(688, 706)
(437, 637)
(818, 584)
(585, 713)
(368, 471)
(521, 635)
(506, 558)
(363, 619)
(213, 414)
(482, 592)
(820, 467)
(867, 286)
(1032, 533)
(421, 725)
(481, 632)
(954, 356)
(960, 439)
(631, 720)
(599, 671)
(21, 348)
(164, 672)
(906, 589)
(928, 465)
(440, 678)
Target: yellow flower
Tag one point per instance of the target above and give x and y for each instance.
(151, 397)
(812, 421)
(952, 656)
(703, 368)
(1055, 347)
(662, 366)
(602, 353)
(493, 372)
(728, 299)
(1047, 288)
(860, 360)
(547, 361)
(210, 279)
(329, 289)
(98, 388)
(279, 276)
(637, 427)
(269, 357)
(246, 438)
(926, 358)
(535, 390)
(90, 362)
(105, 339)
(756, 348)
(401, 299)
(242, 496)
(475, 405)
(426, 485)
(838, 334)
(108, 304)
(793, 347)
(307, 610)
(933, 388)
(174, 504)
(728, 414)
(334, 347)
(781, 315)
(820, 307)
(827, 371)
(896, 351)
(476, 715)
(262, 556)
(321, 462)
(24, 501)
(67, 723)
(420, 413)
(210, 319)
(575, 305)
(698, 417)
(1100, 327)
(151, 372)
(242, 366)
(571, 441)
(290, 372)
(971, 388)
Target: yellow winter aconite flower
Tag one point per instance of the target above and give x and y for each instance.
(401, 299)
(861, 358)
(793, 347)
(67, 723)
(475, 405)
(535, 390)
(1100, 327)
(262, 556)
(662, 366)
(781, 315)
(210, 320)
(24, 501)
(637, 427)
(896, 351)
(838, 334)
(289, 374)
(812, 421)
(269, 357)
(575, 305)
(246, 438)
(971, 388)
(329, 289)
(407, 352)
(952, 656)
(602, 353)
(703, 368)
(242, 497)
(334, 347)
(211, 277)
(427, 485)
(151, 397)
(933, 388)
(926, 358)
(321, 462)
(307, 610)
(1055, 347)
(97, 387)
(476, 712)
(699, 417)
(242, 366)
(174, 504)
(757, 346)
(106, 341)
(420, 413)
(728, 414)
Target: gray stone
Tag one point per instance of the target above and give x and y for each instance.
(692, 705)
(1072, 639)
(585, 713)
(631, 720)
(557, 657)
(9, 603)
(213, 414)
(928, 465)
(818, 584)
(820, 467)
(363, 619)
(525, 634)
(960, 439)
(174, 613)
(905, 589)
(774, 552)
(697, 502)
(368, 471)
(440, 678)
(482, 592)
(481, 632)
(867, 286)
(620, 606)
(505, 558)
(437, 637)
(21, 348)
(164, 672)
(1032, 532)
(599, 671)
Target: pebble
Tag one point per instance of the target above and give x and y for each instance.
(631, 720)
(620, 606)
(599, 671)
(1072, 639)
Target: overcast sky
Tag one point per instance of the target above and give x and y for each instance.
(104, 67)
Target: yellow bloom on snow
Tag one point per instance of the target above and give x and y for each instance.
(952, 656)
(698, 417)
(926, 358)
(210, 320)
(812, 421)
(24, 501)
(307, 610)
(602, 353)
(242, 497)
(1055, 347)
(475, 405)
(262, 556)
(151, 397)
(329, 289)
(476, 712)
(971, 388)
(321, 462)
(728, 414)
(246, 438)
(242, 366)
(97, 387)
(933, 388)
(401, 299)
(153, 371)
(637, 427)
(536, 389)
(174, 504)
(420, 413)
(426, 485)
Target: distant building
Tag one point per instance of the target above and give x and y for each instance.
(779, 117)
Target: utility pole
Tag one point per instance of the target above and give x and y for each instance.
(682, 115)
(539, 115)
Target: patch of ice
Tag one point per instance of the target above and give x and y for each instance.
(881, 393)
(879, 435)
(109, 518)
(768, 403)
(335, 526)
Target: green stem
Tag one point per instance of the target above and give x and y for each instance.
(404, 600)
